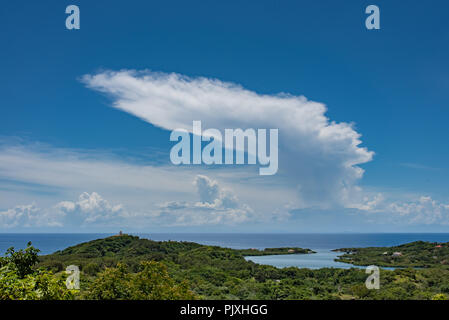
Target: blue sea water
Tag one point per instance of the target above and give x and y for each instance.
(46, 242)
(321, 243)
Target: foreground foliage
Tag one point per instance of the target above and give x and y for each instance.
(19, 280)
(151, 283)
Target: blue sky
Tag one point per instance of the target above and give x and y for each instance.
(392, 84)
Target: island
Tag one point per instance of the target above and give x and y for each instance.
(274, 251)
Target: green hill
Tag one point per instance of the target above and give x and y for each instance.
(94, 256)
(414, 254)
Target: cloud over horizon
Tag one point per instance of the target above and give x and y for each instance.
(319, 166)
(89, 210)
(216, 206)
(146, 196)
(28, 216)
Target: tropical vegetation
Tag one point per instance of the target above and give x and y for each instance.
(127, 267)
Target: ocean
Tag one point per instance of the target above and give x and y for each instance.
(321, 243)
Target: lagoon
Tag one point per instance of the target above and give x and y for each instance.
(323, 258)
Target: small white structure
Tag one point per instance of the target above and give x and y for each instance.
(397, 254)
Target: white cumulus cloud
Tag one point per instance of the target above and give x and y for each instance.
(420, 210)
(424, 210)
(30, 216)
(216, 206)
(92, 208)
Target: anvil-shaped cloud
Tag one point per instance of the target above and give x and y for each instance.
(318, 157)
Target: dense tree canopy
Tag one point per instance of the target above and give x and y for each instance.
(19, 280)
